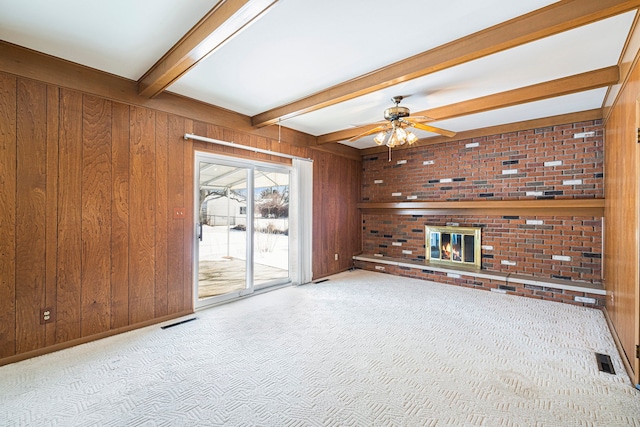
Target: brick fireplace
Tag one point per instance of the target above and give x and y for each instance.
(540, 248)
(453, 246)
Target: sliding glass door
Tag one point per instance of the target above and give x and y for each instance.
(270, 227)
(242, 227)
(221, 229)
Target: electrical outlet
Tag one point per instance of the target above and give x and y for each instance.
(336, 257)
(46, 315)
(179, 213)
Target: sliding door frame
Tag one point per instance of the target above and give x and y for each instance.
(251, 166)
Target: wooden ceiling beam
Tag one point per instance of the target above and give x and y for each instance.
(553, 19)
(564, 86)
(217, 27)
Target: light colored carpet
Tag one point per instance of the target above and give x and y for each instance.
(362, 349)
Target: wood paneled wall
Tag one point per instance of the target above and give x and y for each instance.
(89, 186)
(335, 215)
(622, 222)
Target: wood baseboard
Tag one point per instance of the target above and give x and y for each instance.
(84, 340)
(623, 355)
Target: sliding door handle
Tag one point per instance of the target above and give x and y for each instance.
(199, 231)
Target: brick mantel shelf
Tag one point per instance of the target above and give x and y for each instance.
(551, 207)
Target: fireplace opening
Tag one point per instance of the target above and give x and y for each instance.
(453, 245)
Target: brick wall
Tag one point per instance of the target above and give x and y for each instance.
(542, 163)
(538, 246)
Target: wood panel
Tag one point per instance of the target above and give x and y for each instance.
(261, 143)
(336, 220)
(239, 138)
(96, 215)
(142, 215)
(119, 215)
(51, 286)
(320, 174)
(162, 215)
(7, 215)
(352, 236)
(97, 240)
(68, 302)
(189, 224)
(621, 247)
(176, 188)
(30, 205)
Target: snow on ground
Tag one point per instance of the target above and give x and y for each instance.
(270, 249)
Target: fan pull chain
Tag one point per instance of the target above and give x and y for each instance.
(279, 129)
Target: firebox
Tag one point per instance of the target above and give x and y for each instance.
(453, 246)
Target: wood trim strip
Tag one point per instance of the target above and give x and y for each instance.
(546, 207)
(555, 18)
(559, 87)
(497, 130)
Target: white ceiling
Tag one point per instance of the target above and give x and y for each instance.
(300, 47)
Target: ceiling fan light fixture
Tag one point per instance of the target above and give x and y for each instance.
(395, 133)
(379, 139)
(393, 140)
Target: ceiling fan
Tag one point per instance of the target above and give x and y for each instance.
(394, 133)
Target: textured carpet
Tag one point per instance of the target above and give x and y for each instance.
(361, 349)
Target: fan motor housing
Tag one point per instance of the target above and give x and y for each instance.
(395, 113)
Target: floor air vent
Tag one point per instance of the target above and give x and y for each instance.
(177, 323)
(604, 363)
